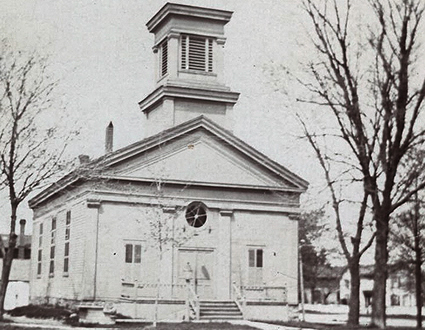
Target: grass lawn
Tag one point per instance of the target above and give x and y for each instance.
(160, 326)
(334, 327)
(15, 327)
(204, 326)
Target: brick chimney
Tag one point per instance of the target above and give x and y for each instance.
(109, 140)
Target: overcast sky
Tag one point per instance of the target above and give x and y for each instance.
(101, 52)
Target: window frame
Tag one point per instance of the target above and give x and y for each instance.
(192, 56)
(134, 255)
(258, 257)
(67, 238)
(40, 249)
(52, 246)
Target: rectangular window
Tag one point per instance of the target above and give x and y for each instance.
(67, 237)
(196, 53)
(66, 258)
(52, 247)
(68, 218)
(53, 231)
(255, 258)
(39, 261)
(163, 55)
(40, 236)
(133, 253)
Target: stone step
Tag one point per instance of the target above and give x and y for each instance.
(221, 317)
(217, 303)
(219, 310)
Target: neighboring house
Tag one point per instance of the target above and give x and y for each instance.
(190, 211)
(398, 293)
(326, 287)
(17, 293)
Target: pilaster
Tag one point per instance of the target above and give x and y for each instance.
(224, 250)
(89, 275)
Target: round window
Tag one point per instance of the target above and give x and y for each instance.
(196, 214)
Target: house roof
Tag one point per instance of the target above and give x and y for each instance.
(367, 270)
(26, 241)
(118, 156)
(329, 272)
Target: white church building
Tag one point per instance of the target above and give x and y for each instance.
(189, 222)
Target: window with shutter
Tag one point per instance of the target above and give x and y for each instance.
(163, 53)
(196, 53)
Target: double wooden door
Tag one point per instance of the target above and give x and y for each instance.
(196, 265)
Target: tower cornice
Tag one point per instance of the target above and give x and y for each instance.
(174, 91)
(173, 9)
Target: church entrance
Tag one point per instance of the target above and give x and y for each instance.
(196, 265)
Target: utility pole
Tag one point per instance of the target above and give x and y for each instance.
(418, 264)
(301, 284)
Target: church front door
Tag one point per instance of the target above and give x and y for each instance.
(196, 266)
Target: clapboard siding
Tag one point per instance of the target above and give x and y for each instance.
(61, 285)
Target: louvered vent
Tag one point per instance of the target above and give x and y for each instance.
(196, 53)
(164, 58)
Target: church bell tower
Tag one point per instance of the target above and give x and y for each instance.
(188, 49)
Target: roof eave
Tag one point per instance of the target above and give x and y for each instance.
(185, 10)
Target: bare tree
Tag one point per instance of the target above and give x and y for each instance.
(163, 234)
(408, 238)
(26, 138)
(351, 246)
(368, 77)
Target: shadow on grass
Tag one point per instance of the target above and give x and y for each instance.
(319, 326)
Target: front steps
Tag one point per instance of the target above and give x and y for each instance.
(219, 310)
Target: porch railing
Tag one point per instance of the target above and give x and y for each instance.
(139, 290)
(192, 302)
(135, 290)
(239, 298)
(264, 293)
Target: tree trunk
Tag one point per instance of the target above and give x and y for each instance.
(7, 266)
(354, 303)
(8, 258)
(418, 270)
(380, 274)
(418, 277)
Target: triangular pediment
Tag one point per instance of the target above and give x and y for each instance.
(202, 162)
(199, 156)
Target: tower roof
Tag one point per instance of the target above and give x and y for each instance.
(174, 9)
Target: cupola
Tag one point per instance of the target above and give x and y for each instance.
(188, 47)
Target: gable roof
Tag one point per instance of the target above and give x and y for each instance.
(112, 159)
